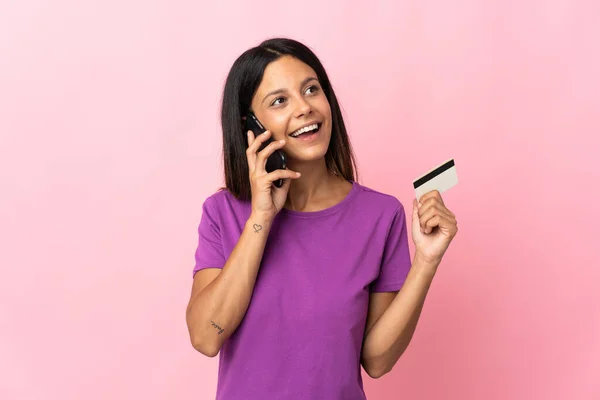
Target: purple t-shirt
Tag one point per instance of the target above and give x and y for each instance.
(302, 334)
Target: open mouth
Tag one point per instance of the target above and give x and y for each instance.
(307, 131)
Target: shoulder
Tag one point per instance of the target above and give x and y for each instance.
(377, 199)
(221, 196)
(223, 202)
(382, 212)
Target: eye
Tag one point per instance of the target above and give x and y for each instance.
(311, 89)
(278, 101)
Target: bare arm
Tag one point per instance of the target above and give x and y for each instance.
(220, 298)
(393, 320)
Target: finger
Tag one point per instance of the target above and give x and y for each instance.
(423, 219)
(286, 185)
(430, 215)
(431, 223)
(433, 194)
(441, 222)
(416, 205)
(254, 144)
(282, 174)
(430, 195)
(259, 140)
(434, 204)
(263, 155)
(437, 200)
(249, 154)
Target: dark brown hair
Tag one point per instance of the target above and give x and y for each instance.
(241, 85)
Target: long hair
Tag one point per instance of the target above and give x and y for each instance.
(241, 85)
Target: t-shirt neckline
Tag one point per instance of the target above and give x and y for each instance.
(325, 211)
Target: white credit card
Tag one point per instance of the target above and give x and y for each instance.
(440, 178)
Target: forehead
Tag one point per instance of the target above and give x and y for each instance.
(285, 73)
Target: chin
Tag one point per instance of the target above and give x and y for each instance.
(309, 154)
(305, 157)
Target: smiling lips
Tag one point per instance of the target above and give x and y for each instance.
(312, 128)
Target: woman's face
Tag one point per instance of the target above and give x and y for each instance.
(290, 98)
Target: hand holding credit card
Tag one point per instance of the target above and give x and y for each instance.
(440, 178)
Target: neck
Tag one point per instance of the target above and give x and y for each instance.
(316, 182)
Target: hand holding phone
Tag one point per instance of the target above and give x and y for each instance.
(267, 200)
(275, 161)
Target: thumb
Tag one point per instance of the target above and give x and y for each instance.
(286, 185)
(280, 194)
(416, 206)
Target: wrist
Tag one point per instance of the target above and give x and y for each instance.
(425, 263)
(259, 221)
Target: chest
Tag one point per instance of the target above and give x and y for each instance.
(318, 273)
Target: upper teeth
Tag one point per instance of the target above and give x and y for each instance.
(305, 129)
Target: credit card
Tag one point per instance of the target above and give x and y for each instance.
(440, 178)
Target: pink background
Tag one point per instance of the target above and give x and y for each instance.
(110, 142)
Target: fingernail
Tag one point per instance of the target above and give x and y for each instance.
(282, 141)
(298, 174)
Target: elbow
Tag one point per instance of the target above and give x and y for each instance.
(376, 371)
(210, 352)
(208, 349)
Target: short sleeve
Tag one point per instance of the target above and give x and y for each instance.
(395, 262)
(209, 252)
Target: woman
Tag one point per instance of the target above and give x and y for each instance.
(298, 286)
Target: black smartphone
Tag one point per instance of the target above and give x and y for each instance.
(275, 161)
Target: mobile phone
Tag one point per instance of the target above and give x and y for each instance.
(275, 161)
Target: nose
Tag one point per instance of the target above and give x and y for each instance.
(303, 107)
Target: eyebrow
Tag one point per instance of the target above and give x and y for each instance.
(278, 91)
